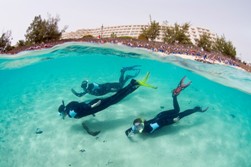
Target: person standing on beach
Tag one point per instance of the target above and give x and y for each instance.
(164, 118)
(102, 89)
(78, 110)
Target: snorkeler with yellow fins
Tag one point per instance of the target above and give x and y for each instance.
(78, 110)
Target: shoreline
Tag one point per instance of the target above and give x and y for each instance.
(183, 51)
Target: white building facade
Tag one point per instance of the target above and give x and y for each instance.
(133, 31)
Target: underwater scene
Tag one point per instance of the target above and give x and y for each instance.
(34, 83)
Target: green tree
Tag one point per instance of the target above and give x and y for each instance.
(41, 30)
(52, 30)
(36, 31)
(169, 35)
(21, 43)
(177, 33)
(142, 37)
(205, 42)
(87, 36)
(152, 31)
(224, 47)
(5, 41)
(113, 35)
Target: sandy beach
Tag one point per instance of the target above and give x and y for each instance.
(161, 48)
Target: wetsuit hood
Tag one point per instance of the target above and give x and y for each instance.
(84, 84)
(61, 108)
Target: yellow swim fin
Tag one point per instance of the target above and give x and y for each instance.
(143, 82)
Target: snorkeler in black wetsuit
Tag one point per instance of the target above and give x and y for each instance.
(78, 110)
(102, 89)
(164, 118)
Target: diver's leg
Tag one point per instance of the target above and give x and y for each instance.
(122, 93)
(102, 103)
(176, 104)
(114, 87)
(176, 108)
(132, 76)
(123, 79)
(191, 111)
(130, 68)
(170, 113)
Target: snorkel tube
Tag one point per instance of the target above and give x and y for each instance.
(61, 110)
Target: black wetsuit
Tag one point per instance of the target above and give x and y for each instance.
(102, 89)
(165, 118)
(78, 110)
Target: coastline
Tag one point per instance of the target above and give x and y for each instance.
(162, 49)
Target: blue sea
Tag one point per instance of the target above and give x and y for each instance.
(33, 84)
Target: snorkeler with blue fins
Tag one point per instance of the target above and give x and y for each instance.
(102, 89)
(164, 118)
(78, 110)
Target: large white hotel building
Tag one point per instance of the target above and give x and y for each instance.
(132, 31)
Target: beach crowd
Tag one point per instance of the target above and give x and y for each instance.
(168, 49)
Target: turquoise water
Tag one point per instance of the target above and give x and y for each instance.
(34, 83)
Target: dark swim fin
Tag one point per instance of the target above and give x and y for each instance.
(130, 68)
(143, 82)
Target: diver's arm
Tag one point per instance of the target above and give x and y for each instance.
(96, 104)
(130, 132)
(78, 94)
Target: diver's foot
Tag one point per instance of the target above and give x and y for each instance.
(204, 110)
(134, 83)
(186, 85)
(199, 109)
(124, 69)
(180, 87)
(132, 76)
(177, 91)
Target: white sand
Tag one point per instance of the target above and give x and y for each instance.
(198, 140)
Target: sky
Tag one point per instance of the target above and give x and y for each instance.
(223, 17)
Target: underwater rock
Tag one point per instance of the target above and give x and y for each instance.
(232, 115)
(39, 131)
(82, 150)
